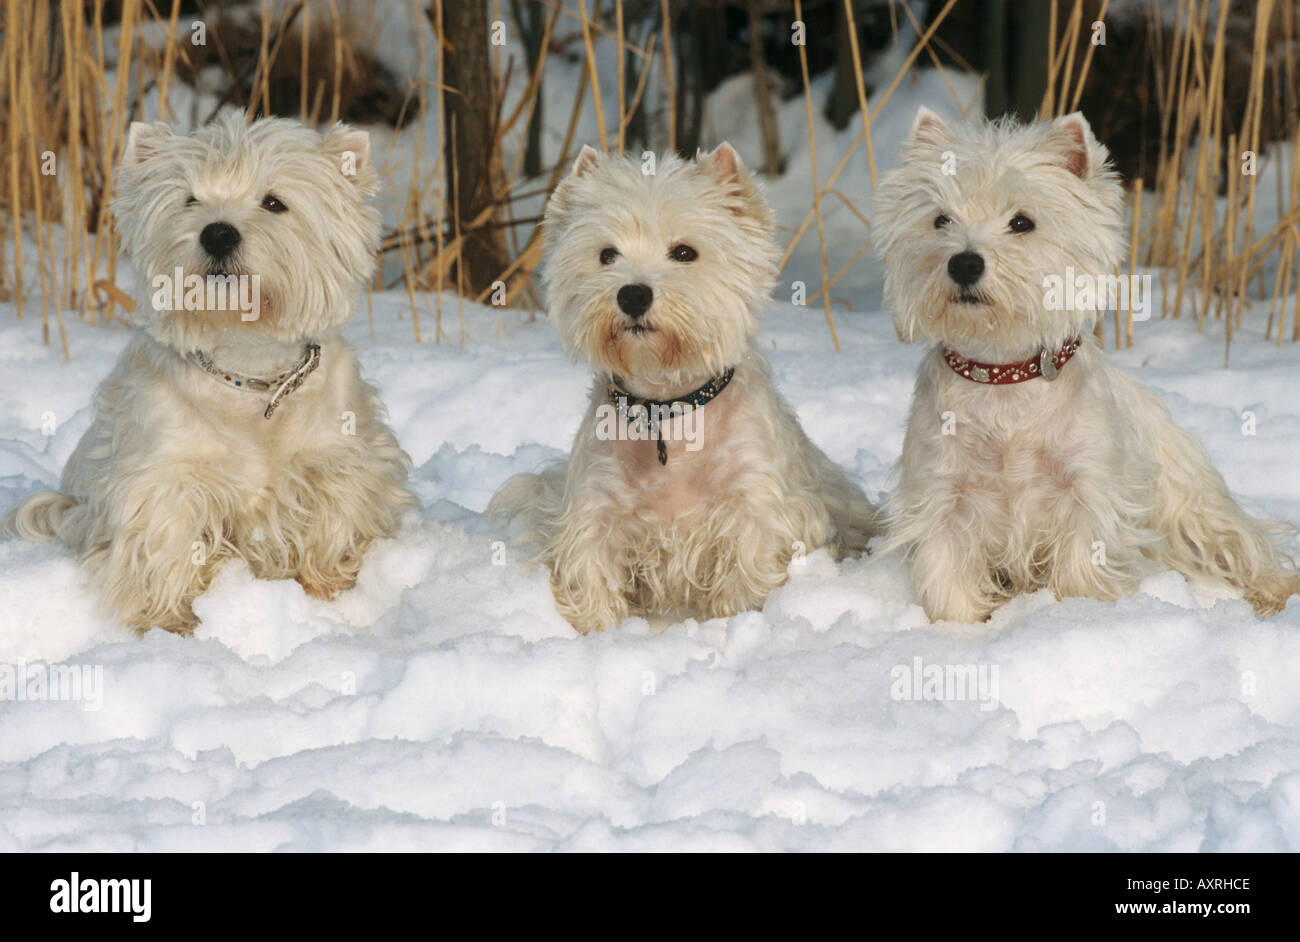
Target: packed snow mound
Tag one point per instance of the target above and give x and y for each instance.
(443, 703)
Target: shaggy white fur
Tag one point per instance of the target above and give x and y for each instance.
(180, 471)
(1081, 484)
(712, 531)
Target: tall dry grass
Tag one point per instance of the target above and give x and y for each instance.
(70, 83)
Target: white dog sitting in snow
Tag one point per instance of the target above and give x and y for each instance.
(690, 485)
(1029, 461)
(236, 423)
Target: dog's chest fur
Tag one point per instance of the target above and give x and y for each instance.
(694, 473)
(199, 419)
(1010, 446)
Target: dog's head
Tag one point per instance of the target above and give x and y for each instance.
(980, 220)
(653, 269)
(271, 199)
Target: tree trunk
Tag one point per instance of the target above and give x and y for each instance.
(531, 20)
(843, 103)
(636, 134)
(690, 110)
(1015, 40)
(997, 84)
(767, 126)
(474, 167)
(1031, 59)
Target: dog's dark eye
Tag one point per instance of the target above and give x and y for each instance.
(1020, 223)
(191, 200)
(683, 253)
(941, 221)
(607, 256)
(273, 205)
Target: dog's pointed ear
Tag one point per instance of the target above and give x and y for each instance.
(351, 148)
(557, 207)
(728, 171)
(927, 128)
(725, 164)
(588, 157)
(144, 140)
(1076, 141)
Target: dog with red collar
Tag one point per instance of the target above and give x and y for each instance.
(1030, 462)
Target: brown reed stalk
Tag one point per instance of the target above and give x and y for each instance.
(528, 100)
(875, 113)
(1072, 37)
(1132, 260)
(304, 44)
(626, 118)
(1048, 104)
(1229, 244)
(12, 53)
(1294, 242)
(169, 58)
(1254, 112)
(455, 231)
(595, 74)
(1283, 274)
(618, 52)
(1213, 104)
(44, 238)
(67, 106)
(1172, 163)
(1295, 295)
(439, 174)
(73, 193)
(817, 195)
(934, 60)
(339, 52)
(1087, 64)
(669, 89)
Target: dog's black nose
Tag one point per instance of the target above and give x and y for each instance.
(219, 239)
(966, 268)
(634, 300)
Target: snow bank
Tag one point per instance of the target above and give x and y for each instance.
(443, 703)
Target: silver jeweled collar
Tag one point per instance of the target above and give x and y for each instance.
(283, 384)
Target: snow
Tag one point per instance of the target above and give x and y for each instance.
(444, 704)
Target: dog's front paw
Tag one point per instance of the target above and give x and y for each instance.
(1269, 596)
(963, 614)
(178, 623)
(588, 608)
(323, 587)
(951, 601)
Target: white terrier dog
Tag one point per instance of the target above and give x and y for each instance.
(1029, 461)
(674, 501)
(233, 428)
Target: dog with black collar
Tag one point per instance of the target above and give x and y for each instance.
(690, 485)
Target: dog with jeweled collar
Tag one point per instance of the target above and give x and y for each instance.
(228, 431)
(1030, 462)
(690, 486)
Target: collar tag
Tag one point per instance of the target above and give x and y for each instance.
(1047, 366)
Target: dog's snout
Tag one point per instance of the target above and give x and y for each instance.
(219, 239)
(634, 300)
(966, 268)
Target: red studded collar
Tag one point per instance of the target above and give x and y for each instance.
(1046, 364)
